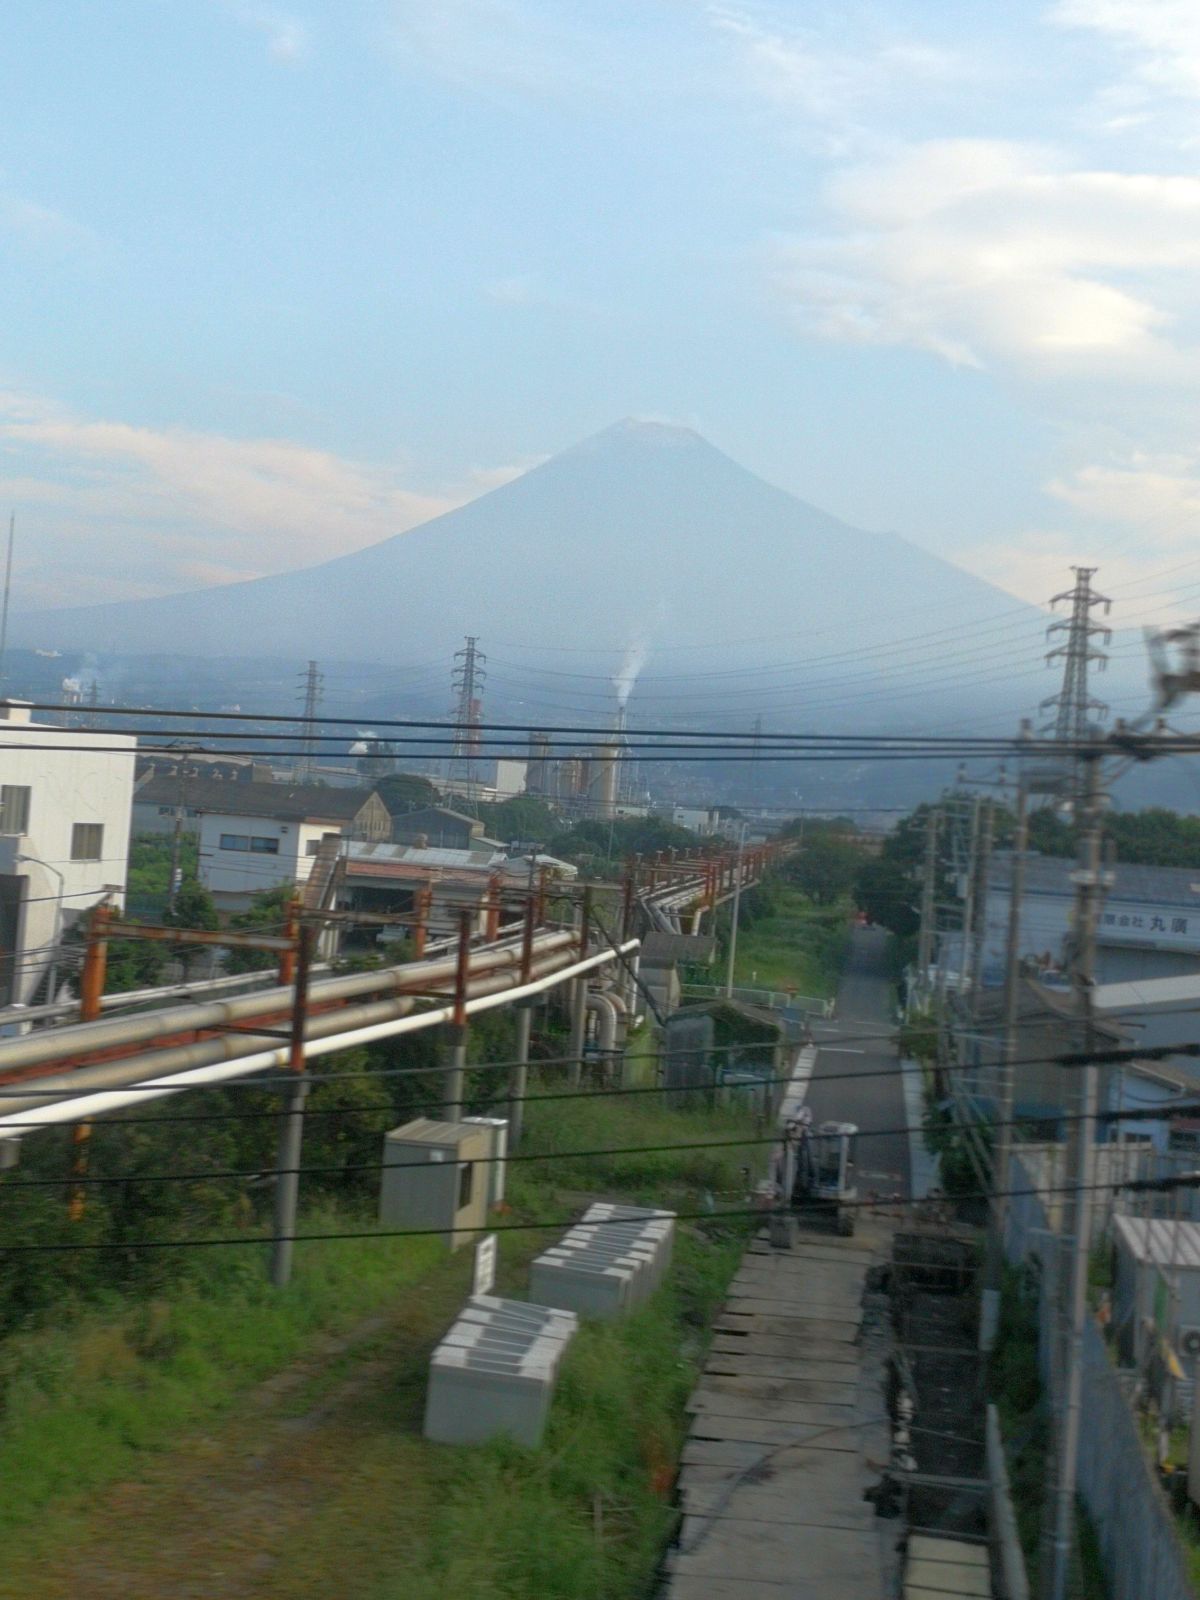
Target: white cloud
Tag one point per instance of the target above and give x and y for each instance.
(1157, 494)
(988, 251)
(171, 508)
(1162, 37)
(527, 47)
(1137, 520)
(287, 37)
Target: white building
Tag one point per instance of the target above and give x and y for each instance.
(65, 798)
(257, 836)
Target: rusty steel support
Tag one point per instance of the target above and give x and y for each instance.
(285, 944)
(91, 988)
(543, 884)
(422, 905)
(291, 1122)
(492, 914)
(291, 933)
(627, 907)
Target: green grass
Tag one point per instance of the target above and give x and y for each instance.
(140, 1393)
(80, 1403)
(586, 1515)
(797, 944)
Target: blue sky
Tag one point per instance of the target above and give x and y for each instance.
(277, 282)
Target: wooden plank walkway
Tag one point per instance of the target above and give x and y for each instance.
(788, 1431)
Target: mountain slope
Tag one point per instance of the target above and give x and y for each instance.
(644, 532)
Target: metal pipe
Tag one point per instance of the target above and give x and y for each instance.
(84, 1038)
(114, 1086)
(606, 1014)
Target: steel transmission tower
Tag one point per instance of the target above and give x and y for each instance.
(1078, 652)
(468, 681)
(311, 683)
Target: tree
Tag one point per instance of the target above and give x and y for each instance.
(826, 867)
(522, 817)
(134, 964)
(266, 913)
(406, 791)
(888, 885)
(194, 908)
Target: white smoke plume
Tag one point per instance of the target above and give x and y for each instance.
(626, 674)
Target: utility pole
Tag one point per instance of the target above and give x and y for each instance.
(291, 1122)
(1089, 891)
(737, 906)
(182, 774)
(454, 1050)
(983, 862)
(312, 683)
(468, 680)
(1012, 1005)
(928, 897)
(968, 911)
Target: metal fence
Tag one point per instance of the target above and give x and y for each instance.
(769, 999)
(1140, 1546)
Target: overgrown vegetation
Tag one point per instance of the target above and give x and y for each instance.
(113, 1355)
(786, 940)
(1015, 1387)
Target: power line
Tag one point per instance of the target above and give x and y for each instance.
(675, 1147)
(547, 1224)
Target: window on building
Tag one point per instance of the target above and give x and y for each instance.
(256, 844)
(466, 1183)
(14, 808)
(87, 841)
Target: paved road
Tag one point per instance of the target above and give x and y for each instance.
(857, 1077)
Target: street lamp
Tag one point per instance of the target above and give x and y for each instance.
(58, 911)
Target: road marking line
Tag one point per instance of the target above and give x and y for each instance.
(839, 1050)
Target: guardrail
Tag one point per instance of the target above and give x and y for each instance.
(769, 999)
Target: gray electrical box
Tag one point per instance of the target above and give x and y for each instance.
(494, 1372)
(436, 1176)
(497, 1128)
